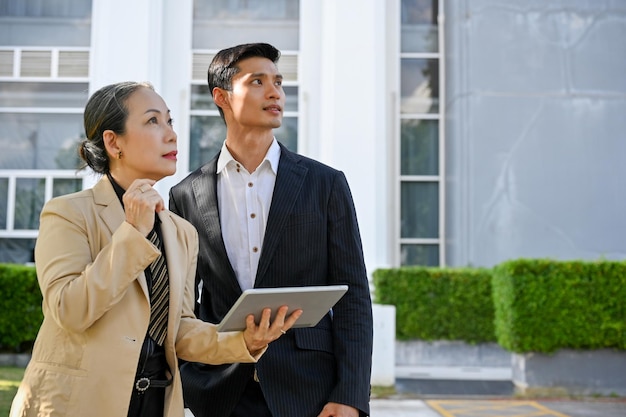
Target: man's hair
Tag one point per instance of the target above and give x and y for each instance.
(224, 66)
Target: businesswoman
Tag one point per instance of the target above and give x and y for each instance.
(117, 272)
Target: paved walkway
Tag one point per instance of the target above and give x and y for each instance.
(494, 408)
(477, 392)
(497, 408)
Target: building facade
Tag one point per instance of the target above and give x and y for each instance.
(470, 131)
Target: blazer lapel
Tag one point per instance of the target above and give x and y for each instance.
(287, 188)
(113, 216)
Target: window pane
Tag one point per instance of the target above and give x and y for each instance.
(39, 141)
(291, 99)
(426, 255)
(43, 94)
(287, 133)
(17, 251)
(419, 215)
(29, 199)
(4, 201)
(419, 26)
(46, 8)
(45, 23)
(221, 23)
(206, 138)
(201, 99)
(419, 151)
(419, 85)
(208, 133)
(62, 186)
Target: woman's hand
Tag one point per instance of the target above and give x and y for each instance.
(258, 337)
(141, 202)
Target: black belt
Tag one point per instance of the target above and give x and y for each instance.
(144, 383)
(152, 369)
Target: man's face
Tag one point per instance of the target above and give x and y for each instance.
(257, 99)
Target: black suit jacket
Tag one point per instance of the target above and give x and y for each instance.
(312, 238)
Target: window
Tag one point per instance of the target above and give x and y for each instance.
(223, 23)
(420, 140)
(44, 89)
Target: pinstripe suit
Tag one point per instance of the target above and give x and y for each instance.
(312, 238)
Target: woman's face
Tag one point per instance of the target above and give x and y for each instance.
(149, 145)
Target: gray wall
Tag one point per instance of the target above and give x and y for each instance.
(535, 130)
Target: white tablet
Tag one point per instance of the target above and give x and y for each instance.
(314, 301)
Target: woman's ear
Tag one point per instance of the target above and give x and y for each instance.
(111, 144)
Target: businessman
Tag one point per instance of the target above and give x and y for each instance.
(268, 217)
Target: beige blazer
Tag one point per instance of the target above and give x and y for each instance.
(90, 266)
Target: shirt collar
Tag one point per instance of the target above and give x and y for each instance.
(272, 157)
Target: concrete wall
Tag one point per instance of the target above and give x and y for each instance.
(593, 372)
(536, 98)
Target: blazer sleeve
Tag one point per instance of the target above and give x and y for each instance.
(199, 341)
(82, 271)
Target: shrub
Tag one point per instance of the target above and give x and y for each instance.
(438, 303)
(20, 306)
(543, 305)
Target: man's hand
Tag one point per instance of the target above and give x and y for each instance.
(338, 410)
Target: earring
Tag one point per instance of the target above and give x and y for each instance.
(119, 155)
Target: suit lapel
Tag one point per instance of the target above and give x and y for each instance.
(287, 188)
(205, 193)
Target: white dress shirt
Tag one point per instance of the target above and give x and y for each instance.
(244, 204)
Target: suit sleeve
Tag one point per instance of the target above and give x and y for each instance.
(352, 316)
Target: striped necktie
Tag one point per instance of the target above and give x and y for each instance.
(159, 295)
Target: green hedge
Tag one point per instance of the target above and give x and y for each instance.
(526, 305)
(543, 305)
(438, 303)
(20, 306)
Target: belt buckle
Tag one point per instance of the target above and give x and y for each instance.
(142, 384)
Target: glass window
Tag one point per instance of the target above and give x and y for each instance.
(29, 200)
(39, 141)
(419, 216)
(62, 186)
(201, 99)
(221, 23)
(4, 200)
(419, 174)
(419, 147)
(419, 26)
(208, 134)
(427, 255)
(33, 94)
(19, 251)
(419, 80)
(45, 22)
(287, 133)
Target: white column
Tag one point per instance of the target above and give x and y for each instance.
(344, 78)
(147, 40)
(125, 41)
(345, 93)
(176, 50)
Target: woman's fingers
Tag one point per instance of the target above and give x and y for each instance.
(259, 336)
